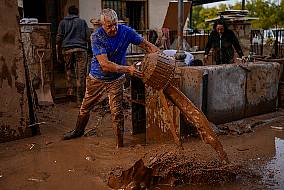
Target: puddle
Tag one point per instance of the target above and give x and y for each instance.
(274, 170)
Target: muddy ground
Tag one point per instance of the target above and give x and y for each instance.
(255, 147)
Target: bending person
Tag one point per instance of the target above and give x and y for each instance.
(107, 73)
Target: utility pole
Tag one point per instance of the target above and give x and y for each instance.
(243, 4)
(180, 55)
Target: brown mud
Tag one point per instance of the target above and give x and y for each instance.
(158, 72)
(198, 119)
(47, 162)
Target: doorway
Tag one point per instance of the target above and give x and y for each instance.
(136, 14)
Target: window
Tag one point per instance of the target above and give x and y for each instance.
(118, 6)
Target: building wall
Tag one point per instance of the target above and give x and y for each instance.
(89, 9)
(157, 13)
(16, 112)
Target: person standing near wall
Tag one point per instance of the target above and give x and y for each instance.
(72, 41)
(107, 73)
(223, 41)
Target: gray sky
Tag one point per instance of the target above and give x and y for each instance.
(222, 2)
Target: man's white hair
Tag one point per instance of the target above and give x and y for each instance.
(110, 14)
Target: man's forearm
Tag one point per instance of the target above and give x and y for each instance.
(148, 47)
(113, 67)
(109, 66)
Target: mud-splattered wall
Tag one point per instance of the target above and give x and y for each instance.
(232, 92)
(15, 113)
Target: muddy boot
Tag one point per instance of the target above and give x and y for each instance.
(80, 128)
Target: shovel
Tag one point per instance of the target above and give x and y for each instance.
(44, 93)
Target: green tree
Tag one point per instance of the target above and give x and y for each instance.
(269, 13)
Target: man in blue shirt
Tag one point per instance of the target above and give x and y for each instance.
(107, 73)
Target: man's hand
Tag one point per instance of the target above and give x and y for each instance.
(244, 59)
(205, 59)
(134, 72)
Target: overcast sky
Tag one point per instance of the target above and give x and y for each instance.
(230, 2)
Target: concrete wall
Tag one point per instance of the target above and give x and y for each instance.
(192, 81)
(226, 93)
(157, 13)
(233, 92)
(89, 9)
(16, 111)
(262, 87)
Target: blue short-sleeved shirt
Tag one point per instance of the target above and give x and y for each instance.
(115, 48)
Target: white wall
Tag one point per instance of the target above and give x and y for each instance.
(157, 13)
(89, 9)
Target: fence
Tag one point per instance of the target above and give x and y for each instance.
(192, 41)
(267, 42)
(262, 42)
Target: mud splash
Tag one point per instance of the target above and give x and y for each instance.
(198, 119)
(158, 72)
(171, 169)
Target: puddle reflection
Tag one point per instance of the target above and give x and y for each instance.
(274, 175)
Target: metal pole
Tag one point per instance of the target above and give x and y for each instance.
(243, 4)
(190, 18)
(180, 55)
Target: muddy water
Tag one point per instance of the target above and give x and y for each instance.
(198, 119)
(274, 170)
(45, 162)
(261, 168)
(158, 72)
(271, 175)
(172, 168)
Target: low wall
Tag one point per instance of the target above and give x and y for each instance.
(230, 92)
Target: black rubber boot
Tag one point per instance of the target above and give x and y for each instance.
(80, 128)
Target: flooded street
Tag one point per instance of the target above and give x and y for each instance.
(243, 154)
(47, 162)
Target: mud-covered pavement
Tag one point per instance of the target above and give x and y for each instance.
(255, 147)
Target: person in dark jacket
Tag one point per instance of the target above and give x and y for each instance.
(72, 41)
(223, 41)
